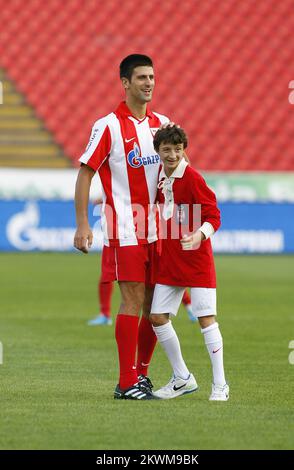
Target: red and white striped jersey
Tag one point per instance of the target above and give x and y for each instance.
(121, 150)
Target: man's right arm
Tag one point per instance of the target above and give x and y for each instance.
(83, 237)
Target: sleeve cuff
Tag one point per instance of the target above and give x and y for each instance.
(85, 161)
(207, 230)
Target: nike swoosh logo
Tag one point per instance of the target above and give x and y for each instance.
(144, 365)
(216, 350)
(134, 367)
(129, 140)
(179, 388)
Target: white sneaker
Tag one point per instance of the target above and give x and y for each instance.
(177, 387)
(219, 392)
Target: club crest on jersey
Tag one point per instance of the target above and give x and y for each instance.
(135, 160)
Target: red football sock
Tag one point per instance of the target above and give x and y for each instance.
(126, 334)
(186, 298)
(104, 293)
(146, 344)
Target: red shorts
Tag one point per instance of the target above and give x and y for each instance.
(129, 263)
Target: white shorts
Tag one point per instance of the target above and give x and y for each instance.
(167, 299)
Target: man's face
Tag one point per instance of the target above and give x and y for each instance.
(141, 85)
(170, 155)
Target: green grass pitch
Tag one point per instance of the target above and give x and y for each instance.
(58, 374)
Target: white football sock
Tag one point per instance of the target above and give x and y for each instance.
(214, 343)
(168, 339)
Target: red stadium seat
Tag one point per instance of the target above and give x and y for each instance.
(221, 72)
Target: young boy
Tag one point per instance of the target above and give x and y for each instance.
(186, 260)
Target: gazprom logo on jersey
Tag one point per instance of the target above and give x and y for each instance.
(135, 160)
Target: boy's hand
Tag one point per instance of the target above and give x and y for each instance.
(192, 242)
(83, 238)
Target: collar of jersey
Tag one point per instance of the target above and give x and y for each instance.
(124, 111)
(178, 173)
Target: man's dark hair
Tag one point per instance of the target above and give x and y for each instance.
(170, 135)
(132, 61)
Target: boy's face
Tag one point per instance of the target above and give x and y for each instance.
(170, 155)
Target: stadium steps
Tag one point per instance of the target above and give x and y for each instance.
(21, 137)
(31, 163)
(18, 124)
(13, 99)
(23, 140)
(15, 110)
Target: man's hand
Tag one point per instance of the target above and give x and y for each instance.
(83, 238)
(168, 124)
(192, 242)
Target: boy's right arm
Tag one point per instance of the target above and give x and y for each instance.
(83, 236)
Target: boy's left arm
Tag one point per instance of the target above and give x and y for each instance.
(210, 215)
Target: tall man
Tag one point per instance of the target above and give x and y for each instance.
(121, 150)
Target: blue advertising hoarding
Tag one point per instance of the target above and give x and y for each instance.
(42, 225)
(50, 225)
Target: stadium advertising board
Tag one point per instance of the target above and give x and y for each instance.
(40, 225)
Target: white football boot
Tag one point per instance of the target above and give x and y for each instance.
(219, 392)
(176, 387)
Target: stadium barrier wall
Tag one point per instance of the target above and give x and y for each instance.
(40, 225)
(57, 184)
